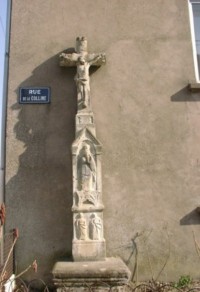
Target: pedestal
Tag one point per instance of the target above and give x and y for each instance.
(97, 276)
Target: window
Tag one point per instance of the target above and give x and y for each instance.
(194, 11)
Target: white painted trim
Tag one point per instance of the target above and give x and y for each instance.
(196, 69)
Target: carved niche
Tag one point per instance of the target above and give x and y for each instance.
(86, 170)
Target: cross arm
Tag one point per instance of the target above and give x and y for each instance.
(96, 59)
(68, 60)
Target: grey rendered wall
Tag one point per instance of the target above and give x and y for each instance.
(147, 121)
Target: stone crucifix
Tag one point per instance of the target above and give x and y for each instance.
(90, 266)
(88, 234)
(82, 60)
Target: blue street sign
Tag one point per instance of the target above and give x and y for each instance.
(29, 95)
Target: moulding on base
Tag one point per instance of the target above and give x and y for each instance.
(100, 275)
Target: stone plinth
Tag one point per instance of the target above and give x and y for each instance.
(100, 276)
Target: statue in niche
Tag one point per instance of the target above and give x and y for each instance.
(96, 225)
(87, 169)
(81, 227)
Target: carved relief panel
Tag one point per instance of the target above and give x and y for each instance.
(88, 226)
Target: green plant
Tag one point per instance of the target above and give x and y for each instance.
(183, 281)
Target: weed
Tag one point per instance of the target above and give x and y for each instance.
(183, 281)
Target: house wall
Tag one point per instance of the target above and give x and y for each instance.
(146, 118)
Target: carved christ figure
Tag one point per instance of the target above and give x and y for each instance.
(82, 60)
(88, 169)
(82, 79)
(82, 82)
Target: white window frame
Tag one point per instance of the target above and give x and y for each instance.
(196, 67)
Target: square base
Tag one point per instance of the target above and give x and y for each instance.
(98, 276)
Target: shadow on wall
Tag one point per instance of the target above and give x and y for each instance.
(39, 196)
(185, 95)
(192, 218)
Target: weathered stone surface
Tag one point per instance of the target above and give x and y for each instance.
(82, 60)
(111, 272)
(89, 250)
(88, 234)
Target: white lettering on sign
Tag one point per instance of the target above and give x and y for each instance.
(38, 98)
(34, 91)
(34, 95)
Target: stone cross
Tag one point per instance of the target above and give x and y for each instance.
(90, 267)
(82, 60)
(88, 235)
